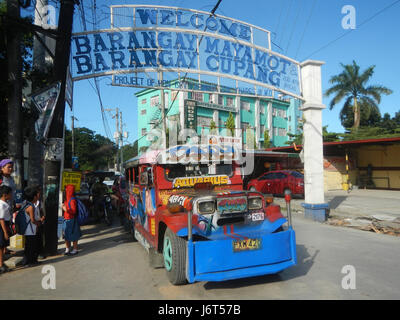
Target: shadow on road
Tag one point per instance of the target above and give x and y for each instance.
(336, 201)
(304, 264)
(105, 242)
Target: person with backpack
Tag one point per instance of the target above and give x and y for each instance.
(72, 231)
(5, 218)
(33, 221)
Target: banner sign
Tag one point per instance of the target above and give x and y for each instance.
(151, 39)
(73, 178)
(45, 101)
(190, 114)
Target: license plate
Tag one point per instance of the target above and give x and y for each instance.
(259, 216)
(247, 244)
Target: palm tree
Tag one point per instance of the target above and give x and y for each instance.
(351, 85)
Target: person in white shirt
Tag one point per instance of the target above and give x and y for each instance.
(33, 219)
(5, 218)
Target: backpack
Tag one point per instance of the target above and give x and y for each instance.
(20, 219)
(83, 213)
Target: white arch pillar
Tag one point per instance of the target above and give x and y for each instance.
(315, 206)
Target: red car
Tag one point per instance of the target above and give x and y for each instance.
(276, 182)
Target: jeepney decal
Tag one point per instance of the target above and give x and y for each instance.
(191, 181)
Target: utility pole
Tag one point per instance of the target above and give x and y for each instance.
(36, 148)
(73, 135)
(55, 142)
(15, 144)
(121, 132)
(116, 134)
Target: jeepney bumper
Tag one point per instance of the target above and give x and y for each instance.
(216, 260)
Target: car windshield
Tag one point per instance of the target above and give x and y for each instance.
(297, 174)
(180, 170)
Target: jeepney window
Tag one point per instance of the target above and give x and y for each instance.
(190, 170)
(129, 174)
(136, 175)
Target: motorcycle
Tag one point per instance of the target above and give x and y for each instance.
(104, 208)
(108, 209)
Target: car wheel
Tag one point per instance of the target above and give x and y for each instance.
(174, 252)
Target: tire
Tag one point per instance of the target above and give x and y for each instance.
(108, 216)
(174, 255)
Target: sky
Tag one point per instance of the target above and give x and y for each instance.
(304, 29)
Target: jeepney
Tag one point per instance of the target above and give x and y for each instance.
(189, 210)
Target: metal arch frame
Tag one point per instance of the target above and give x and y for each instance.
(198, 70)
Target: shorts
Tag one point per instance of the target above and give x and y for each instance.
(3, 242)
(72, 231)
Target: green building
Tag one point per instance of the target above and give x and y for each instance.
(201, 111)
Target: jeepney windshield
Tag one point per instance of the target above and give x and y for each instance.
(173, 171)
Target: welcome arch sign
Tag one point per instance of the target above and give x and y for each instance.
(156, 46)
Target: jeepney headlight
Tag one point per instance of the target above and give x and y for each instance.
(255, 203)
(206, 207)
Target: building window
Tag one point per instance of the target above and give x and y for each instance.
(279, 113)
(262, 109)
(262, 129)
(154, 101)
(204, 121)
(212, 98)
(143, 111)
(174, 95)
(245, 105)
(198, 96)
(144, 101)
(230, 102)
(220, 100)
(144, 131)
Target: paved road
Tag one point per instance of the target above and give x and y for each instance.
(111, 266)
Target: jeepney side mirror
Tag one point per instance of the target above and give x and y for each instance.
(144, 179)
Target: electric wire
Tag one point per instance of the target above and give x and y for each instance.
(305, 28)
(351, 30)
(294, 26)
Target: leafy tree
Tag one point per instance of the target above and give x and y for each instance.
(267, 142)
(369, 116)
(94, 151)
(130, 151)
(213, 125)
(351, 85)
(329, 136)
(230, 124)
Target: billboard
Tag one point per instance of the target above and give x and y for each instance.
(156, 46)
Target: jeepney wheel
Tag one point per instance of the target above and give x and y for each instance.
(174, 252)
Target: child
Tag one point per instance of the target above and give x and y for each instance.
(72, 232)
(33, 219)
(5, 218)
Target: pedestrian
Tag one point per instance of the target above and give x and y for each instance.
(40, 229)
(5, 218)
(6, 169)
(33, 219)
(72, 231)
